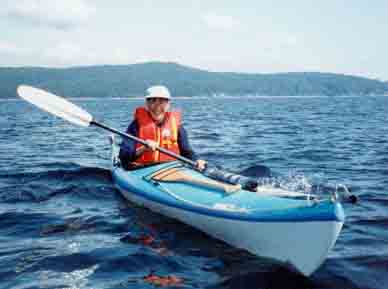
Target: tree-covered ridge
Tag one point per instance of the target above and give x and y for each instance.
(132, 80)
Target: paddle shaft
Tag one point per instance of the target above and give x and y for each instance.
(212, 173)
(139, 140)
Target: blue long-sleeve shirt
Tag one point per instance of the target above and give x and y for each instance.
(127, 152)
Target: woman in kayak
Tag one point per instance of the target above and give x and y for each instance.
(160, 128)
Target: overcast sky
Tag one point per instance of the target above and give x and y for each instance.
(340, 36)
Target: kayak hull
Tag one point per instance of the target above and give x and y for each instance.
(302, 246)
(300, 236)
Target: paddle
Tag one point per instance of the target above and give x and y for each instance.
(64, 109)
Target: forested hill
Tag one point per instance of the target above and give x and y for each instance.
(132, 80)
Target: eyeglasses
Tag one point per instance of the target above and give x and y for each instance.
(157, 99)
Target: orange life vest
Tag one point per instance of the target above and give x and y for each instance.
(165, 135)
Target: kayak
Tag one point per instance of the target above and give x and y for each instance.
(298, 232)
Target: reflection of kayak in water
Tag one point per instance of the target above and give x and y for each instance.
(271, 223)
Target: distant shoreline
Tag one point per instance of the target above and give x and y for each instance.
(134, 79)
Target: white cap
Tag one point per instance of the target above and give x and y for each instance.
(158, 91)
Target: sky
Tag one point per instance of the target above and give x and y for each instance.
(252, 36)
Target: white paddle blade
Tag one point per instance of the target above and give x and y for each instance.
(55, 105)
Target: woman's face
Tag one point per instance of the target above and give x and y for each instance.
(158, 107)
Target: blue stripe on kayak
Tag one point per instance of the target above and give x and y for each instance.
(279, 209)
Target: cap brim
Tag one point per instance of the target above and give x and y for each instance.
(154, 96)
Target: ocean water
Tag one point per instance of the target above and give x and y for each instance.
(64, 225)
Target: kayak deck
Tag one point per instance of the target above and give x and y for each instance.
(242, 205)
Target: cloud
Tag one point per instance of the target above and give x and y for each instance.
(220, 22)
(60, 14)
(62, 54)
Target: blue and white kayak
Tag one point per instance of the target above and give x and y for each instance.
(297, 232)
